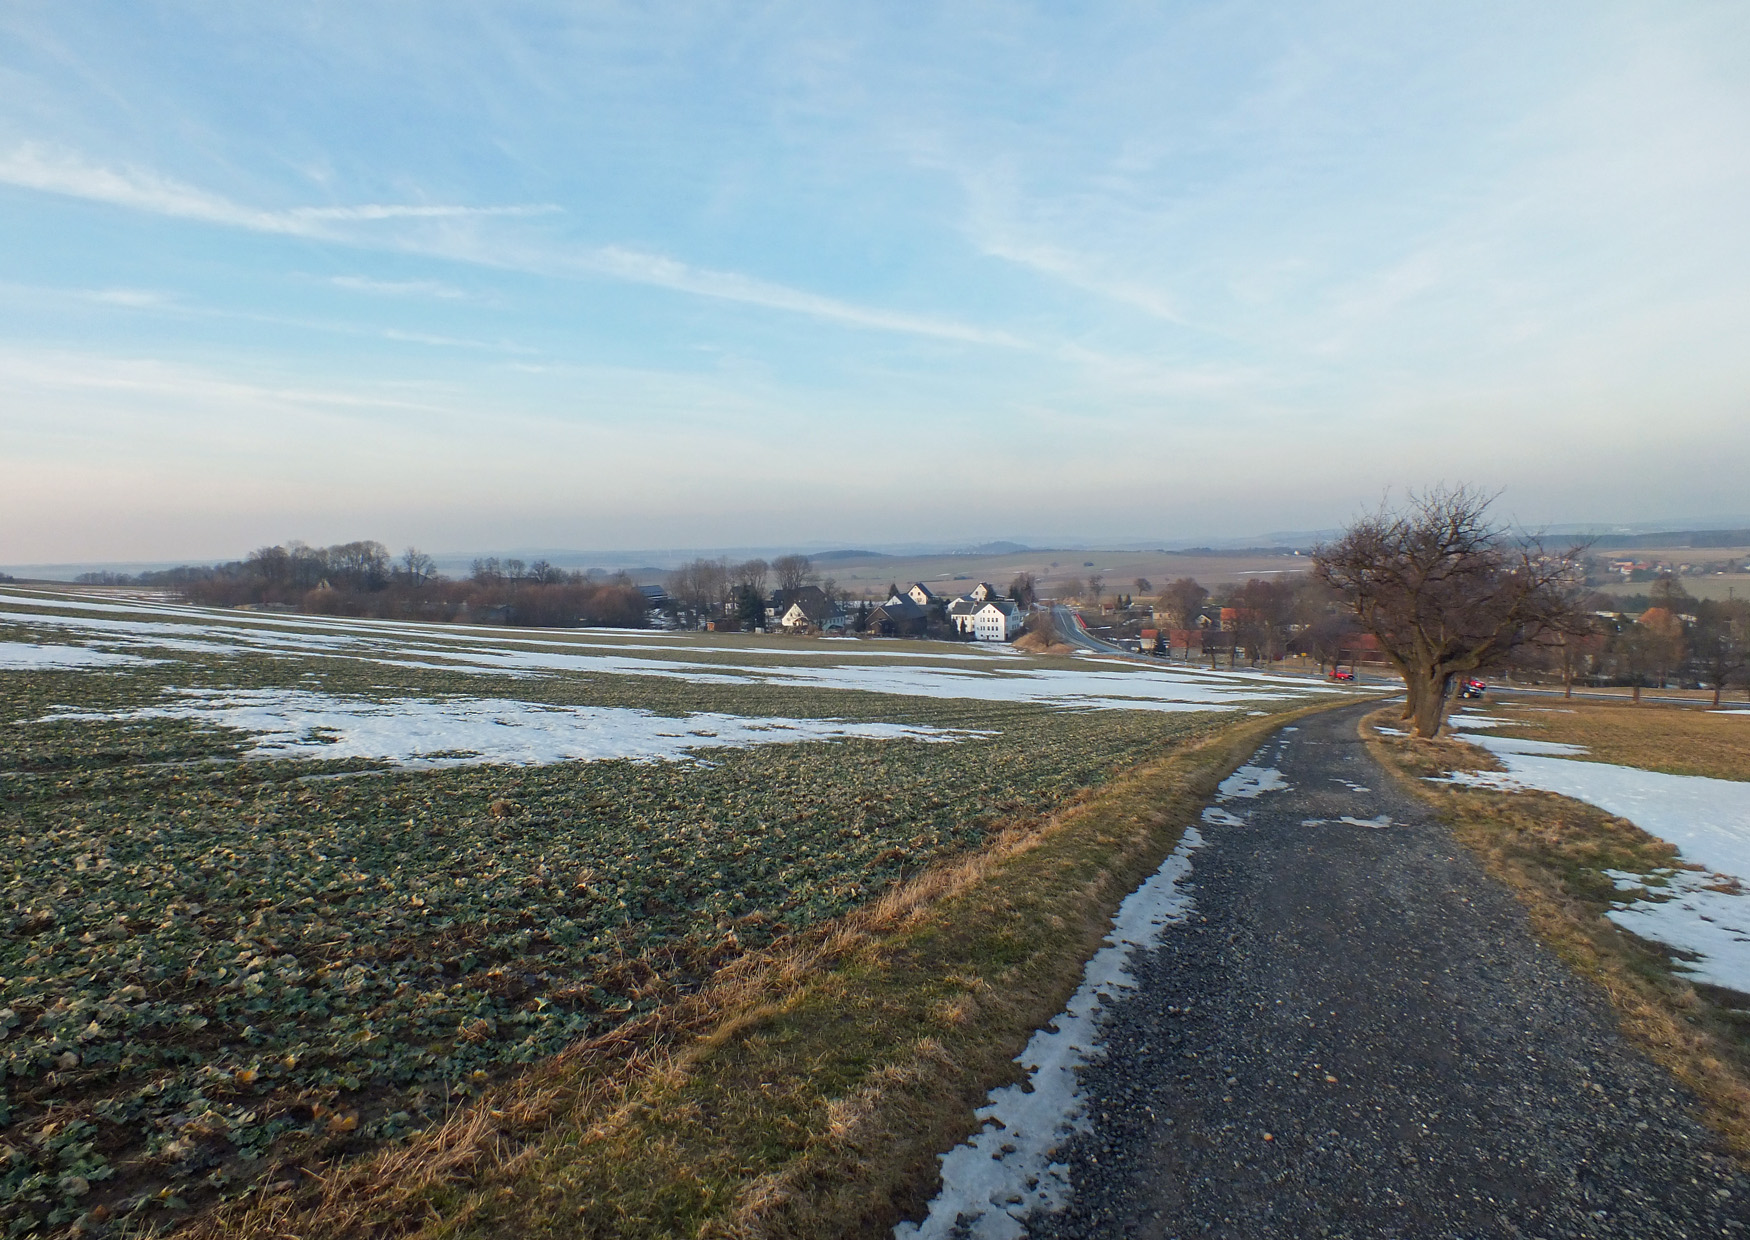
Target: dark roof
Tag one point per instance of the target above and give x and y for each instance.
(812, 600)
(899, 609)
(918, 585)
(656, 594)
(964, 606)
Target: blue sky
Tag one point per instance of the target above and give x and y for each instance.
(518, 274)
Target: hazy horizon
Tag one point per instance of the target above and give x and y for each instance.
(609, 278)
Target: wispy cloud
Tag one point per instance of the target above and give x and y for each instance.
(134, 298)
(58, 172)
(656, 269)
(399, 288)
(31, 166)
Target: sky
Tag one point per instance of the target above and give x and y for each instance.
(477, 276)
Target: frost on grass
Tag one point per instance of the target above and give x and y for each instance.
(1009, 1168)
(1703, 914)
(406, 731)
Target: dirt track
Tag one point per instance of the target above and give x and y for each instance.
(1357, 1035)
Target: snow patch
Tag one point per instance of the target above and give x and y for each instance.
(1009, 1168)
(31, 657)
(1251, 781)
(423, 732)
(1707, 819)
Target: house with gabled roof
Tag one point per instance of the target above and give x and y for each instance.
(899, 616)
(998, 620)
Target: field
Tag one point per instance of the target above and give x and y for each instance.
(1715, 744)
(281, 889)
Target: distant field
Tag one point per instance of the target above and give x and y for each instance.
(284, 887)
(1713, 586)
(954, 573)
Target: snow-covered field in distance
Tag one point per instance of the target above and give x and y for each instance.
(518, 724)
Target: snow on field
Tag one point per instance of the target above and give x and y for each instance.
(937, 670)
(419, 732)
(1707, 819)
(31, 657)
(1009, 1168)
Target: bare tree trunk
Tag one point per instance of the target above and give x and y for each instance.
(1637, 693)
(1429, 704)
(1716, 695)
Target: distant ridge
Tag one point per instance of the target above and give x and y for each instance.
(833, 557)
(1677, 538)
(997, 548)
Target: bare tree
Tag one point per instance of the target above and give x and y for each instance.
(1181, 600)
(1070, 588)
(750, 575)
(544, 574)
(487, 571)
(792, 573)
(417, 565)
(1024, 589)
(1265, 609)
(1096, 583)
(1444, 592)
(1721, 650)
(1144, 586)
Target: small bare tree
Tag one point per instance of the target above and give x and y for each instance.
(792, 573)
(417, 565)
(1180, 600)
(1024, 589)
(751, 575)
(1444, 592)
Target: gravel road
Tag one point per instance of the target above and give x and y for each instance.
(1357, 1035)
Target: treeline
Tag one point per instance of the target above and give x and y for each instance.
(364, 579)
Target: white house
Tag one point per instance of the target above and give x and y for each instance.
(920, 594)
(984, 592)
(961, 611)
(998, 620)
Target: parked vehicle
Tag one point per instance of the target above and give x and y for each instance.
(1473, 688)
(1342, 673)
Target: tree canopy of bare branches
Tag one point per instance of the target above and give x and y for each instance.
(1180, 600)
(792, 572)
(1446, 592)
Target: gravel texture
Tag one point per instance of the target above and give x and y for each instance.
(1357, 1035)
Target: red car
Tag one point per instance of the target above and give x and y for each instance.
(1473, 688)
(1342, 673)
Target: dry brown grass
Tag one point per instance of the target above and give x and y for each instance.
(1657, 737)
(1552, 853)
(808, 1090)
(1042, 643)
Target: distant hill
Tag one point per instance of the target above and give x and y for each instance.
(833, 557)
(998, 548)
(1677, 538)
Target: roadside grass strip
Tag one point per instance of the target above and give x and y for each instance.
(808, 1089)
(1600, 857)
